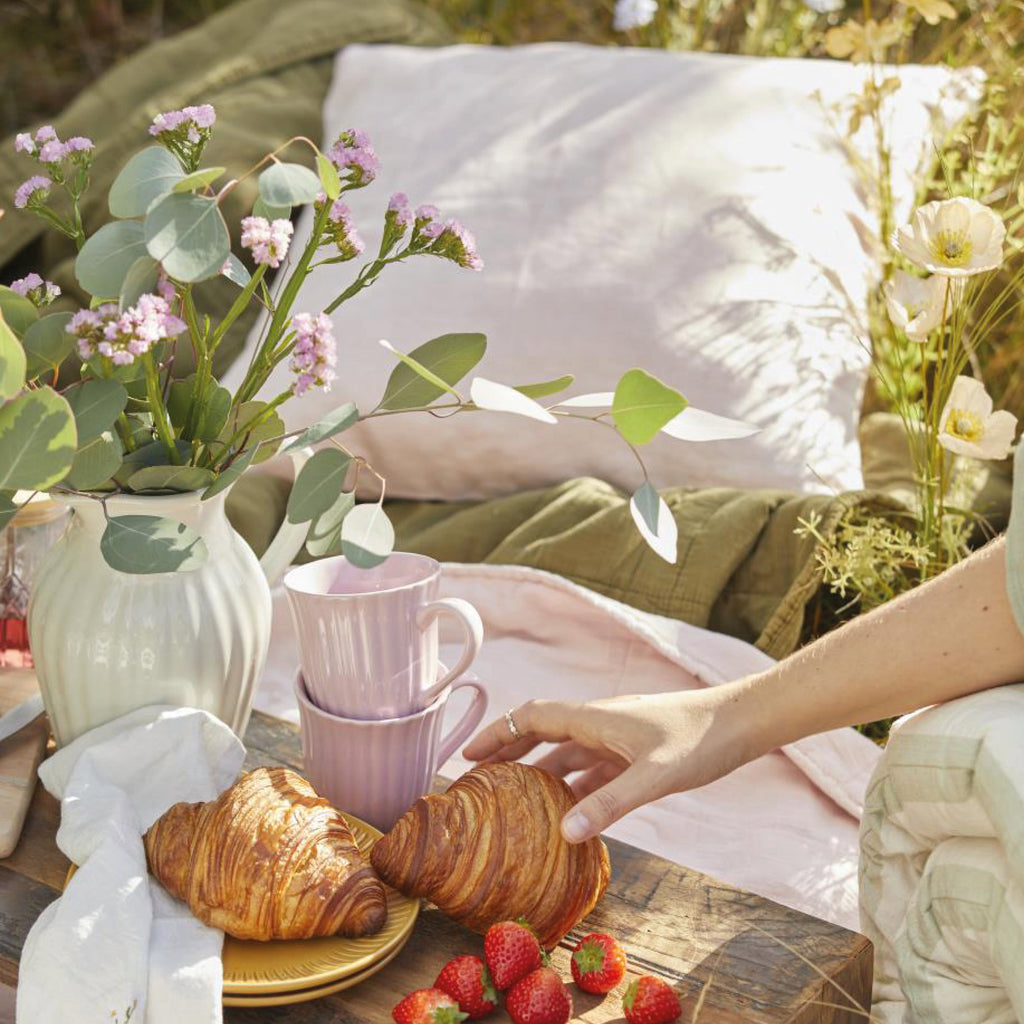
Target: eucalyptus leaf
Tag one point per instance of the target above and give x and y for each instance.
(12, 362)
(697, 425)
(318, 485)
(95, 463)
(643, 405)
(367, 536)
(333, 423)
(140, 280)
(47, 344)
(217, 405)
(187, 234)
(271, 428)
(8, 510)
(170, 478)
(198, 179)
(235, 271)
(152, 454)
(96, 404)
(448, 358)
(325, 533)
(228, 476)
(141, 545)
(489, 394)
(655, 522)
(150, 174)
(545, 388)
(37, 439)
(263, 209)
(328, 174)
(107, 256)
(288, 185)
(18, 311)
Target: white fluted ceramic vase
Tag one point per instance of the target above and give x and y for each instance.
(107, 642)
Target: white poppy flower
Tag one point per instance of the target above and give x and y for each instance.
(953, 237)
(970, 427)
(915, 304)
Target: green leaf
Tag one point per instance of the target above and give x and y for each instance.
(152, 454)
(333, 423)
(235, 271)
(95, 463)
(367, 536)
(95, 404)
(288, 185)
(187, 234)
(264, 209)
(328, 177)
(655, 522)
(18, 311)
(318, 485)
(548, 387)
(142, 545)
(12, 362)
(140, 280)
(8, 510)
(37, 440)
(150, 174)
(228, 476)
(170, 478)
(108, 255)
(429, 371)
(47, 344)
(325, 534)
(198, 179)
(272, 427)
(215, 412)
(643, 405)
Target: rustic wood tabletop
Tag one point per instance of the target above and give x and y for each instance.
(750, 959)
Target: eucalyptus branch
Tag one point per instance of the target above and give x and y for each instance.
(160, 419)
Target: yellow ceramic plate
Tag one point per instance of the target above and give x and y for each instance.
(265, 968)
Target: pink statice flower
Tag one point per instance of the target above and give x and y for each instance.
(458, 244)
(185, 132)
(268, 240)
(46, 133)
(427, 223)
(33, 191)
(24, 143)
(399, 211)
(123, 336)
(52, 152)
(165, 287)
(79, 148)
(314, 353)
(39, 292)
(340, 229)
(355, 157)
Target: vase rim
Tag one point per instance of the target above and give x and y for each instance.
(179, 498)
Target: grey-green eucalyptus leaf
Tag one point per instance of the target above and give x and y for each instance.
(284, 184)
(367, 536)
(140, 280)
(318, 485)
(107, 256)
(37, 440)
(198, 179)
(333, 423)
(643, 405)
(545, 388)
(95, 463)
(447, 358)
(325, 533)
(187, 234)
(47, 344)
(180, 479)
(142, 545)
(18, 311)
(96, 404)
(228, 476)
(147, 176)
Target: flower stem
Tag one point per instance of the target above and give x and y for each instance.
(159, 410)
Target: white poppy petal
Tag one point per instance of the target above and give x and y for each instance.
(488, 394)
(697, 425)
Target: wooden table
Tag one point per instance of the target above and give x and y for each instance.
(698, 933)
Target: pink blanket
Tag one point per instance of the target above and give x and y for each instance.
(784, 826)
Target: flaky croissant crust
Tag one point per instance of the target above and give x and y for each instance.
(268, 859)
(490, 849)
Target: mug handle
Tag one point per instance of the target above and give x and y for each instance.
(469, 721)
(472, 626)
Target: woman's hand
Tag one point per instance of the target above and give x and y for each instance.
(630, 750)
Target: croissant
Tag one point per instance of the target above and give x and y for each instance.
(490, 849)
(268, 859)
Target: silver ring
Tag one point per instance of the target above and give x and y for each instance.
(510, 722)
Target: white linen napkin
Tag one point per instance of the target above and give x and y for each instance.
(115, 940)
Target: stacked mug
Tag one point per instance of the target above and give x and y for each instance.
(371, 689)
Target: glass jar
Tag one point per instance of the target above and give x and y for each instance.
(38, 525)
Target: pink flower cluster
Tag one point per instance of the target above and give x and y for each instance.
(314, 354)
(121, 337)
(48, 149)
(268, 240)
(190, 123)
(33, 191)
(353, 154)
(428, 222)
(447, 238)
(399, 212)
(340, 229)
(39, 292)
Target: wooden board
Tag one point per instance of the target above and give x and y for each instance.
(20, 755)
(759, 962)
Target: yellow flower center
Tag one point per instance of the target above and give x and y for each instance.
(965, 424)
(952, 248)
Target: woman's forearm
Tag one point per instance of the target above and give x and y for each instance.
(952, 636)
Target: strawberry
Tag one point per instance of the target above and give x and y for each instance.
(650, 1001)
(428, 1006)
(511, 951)
(598, 963)
(467, 980)
(539, 998)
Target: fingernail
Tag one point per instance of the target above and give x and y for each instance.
(576, 826)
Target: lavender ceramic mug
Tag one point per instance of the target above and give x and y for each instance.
(368, 637)
(377, 770)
